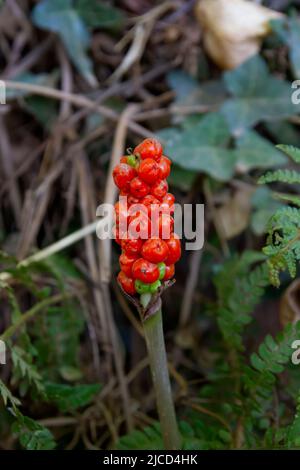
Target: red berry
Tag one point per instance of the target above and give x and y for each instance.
(132, 200)
(159, 189)
(170, 271)
(149, 170)
(149, 148)
(116, 235)
(139, 226)
(127, 283)
(164, 167)
(131, 246)
(126, 261)
(165, 226)
(145, 271)
(121, 213)
(155, 250)
(174, 246)
(138, 187)
(123, 159)
(122, 175)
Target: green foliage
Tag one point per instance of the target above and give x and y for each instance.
(26, 372)
(68, 397)
(7, 396)
(199, 146)
(61, 17)
(97, 14)
(236, 300)
(283, 241)
(196, 435)
(256, 96)
(32, 435)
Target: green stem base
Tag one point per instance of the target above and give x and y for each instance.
(158, 363)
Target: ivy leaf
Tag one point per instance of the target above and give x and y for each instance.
(256, 96)
(68, 397)
(288, 30)
(96, 14)
(200, 146)
(188, 90)
(60, 17)
(253, 151)
(44, 79)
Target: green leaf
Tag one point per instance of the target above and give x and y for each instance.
(44, 79)
(68, 397)
(7, 396)
(200, 146)
(291, 151)
(32, 435)
(182, 179)
(253, 151)
(283, 131)
(264, 207)
(189, 91)
(256, 96)
(96, 14)
(60, 17)
(43, 109)
(148, 439)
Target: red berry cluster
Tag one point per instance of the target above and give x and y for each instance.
(148, 253)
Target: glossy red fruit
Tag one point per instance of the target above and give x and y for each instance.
(122, 175)
(132, 200)
(164, 165)
(131, 246)
(126, 261)
(145, 271)
(174, 246)
(127, 283)
(149, 148)
(138, 187)
(165, 226)
(123, 159)
(149, 170)
(170, 271)
(121, 213)
(155, 250)
(159, 189)
(167, 204)
(139, 226)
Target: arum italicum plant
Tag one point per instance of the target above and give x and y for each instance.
(145, 231)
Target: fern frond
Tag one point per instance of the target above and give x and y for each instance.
(259, 378)
(237, 299)
(292, 198)
(8, 397)
(25, 370)
(290, 151)
(283, 176)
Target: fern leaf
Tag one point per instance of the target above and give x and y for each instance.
(290, 151)
(283, 176)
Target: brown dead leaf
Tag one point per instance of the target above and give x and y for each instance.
(233, 29)
(289, 310)
(234, 213)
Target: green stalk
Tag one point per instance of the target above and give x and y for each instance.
(155, 342)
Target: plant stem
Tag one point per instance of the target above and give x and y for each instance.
(158, 363)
